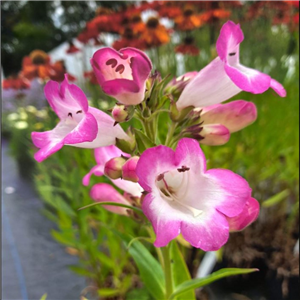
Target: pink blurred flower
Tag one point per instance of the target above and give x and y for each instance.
(183, 197)
(225, 77)
(122, 74)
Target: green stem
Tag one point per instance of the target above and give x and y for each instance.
(158, 250)
(167, 271)
(170, 134)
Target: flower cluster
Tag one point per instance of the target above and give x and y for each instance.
(165, 175)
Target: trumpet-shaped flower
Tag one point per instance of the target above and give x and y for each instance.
(122, 74)
(80, 125)
(220, 120)
(225, 77)
(183, 197)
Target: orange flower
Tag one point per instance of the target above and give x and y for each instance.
(15, 82)
(155, 34)
(189, 20)
(37, 64)
(169, 9)
(59, 70)
(214, 15)
(129, 39)
(188, 47)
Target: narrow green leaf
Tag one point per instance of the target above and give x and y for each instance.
(107, 292)
(81, 271)
(141, 238)
(276, 198)
(180, 272)
(150, 270)
(112, 204)
(44, 297)
(199, 282)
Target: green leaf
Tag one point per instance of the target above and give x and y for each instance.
(138, 294)
(143, 142)
(112, 204)
(150, 270)
(107, 292)
(81, 271)
(180, 272)
(44, 297)
(276, 198)
(199, 282)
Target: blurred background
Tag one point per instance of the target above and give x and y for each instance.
(49, 246)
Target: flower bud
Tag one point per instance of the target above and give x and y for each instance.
(128, 169)
(129, 145)
(113, 168)
(122, 113)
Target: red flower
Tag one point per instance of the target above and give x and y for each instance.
(15, 82)
(72, 48)
(188, 47)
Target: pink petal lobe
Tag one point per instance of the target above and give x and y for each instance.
(248, 79)
(48, 150)
(246, 217)
(85, 131)
(233, 191)
(278, 88)
(208, 232)
(229, 39)
(160, 214)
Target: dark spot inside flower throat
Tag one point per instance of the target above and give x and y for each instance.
(152, 22)
(183, 169)
(160, 177)
(113, 62)
(79, 112)
(232, 54)
(120, 68)
(70, 115)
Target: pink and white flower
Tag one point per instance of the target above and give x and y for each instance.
(80, 125)
(225, 77)
(220, 120)
(183, 197)
(122, 74)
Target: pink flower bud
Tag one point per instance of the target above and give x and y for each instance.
(128, 169)
(113, 168)
(120, 113)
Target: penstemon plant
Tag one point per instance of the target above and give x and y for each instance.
(166, 186)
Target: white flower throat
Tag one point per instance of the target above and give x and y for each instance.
(173, 186)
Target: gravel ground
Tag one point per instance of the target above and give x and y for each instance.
(32, 262)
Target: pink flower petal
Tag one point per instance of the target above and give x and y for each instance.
(211, 86)
(278, 88)
(229, 40)
(153, 162)
(233, 191)
(246, 217)
(214, 134)
(103, 192)
(234, 115)
(248, 79)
